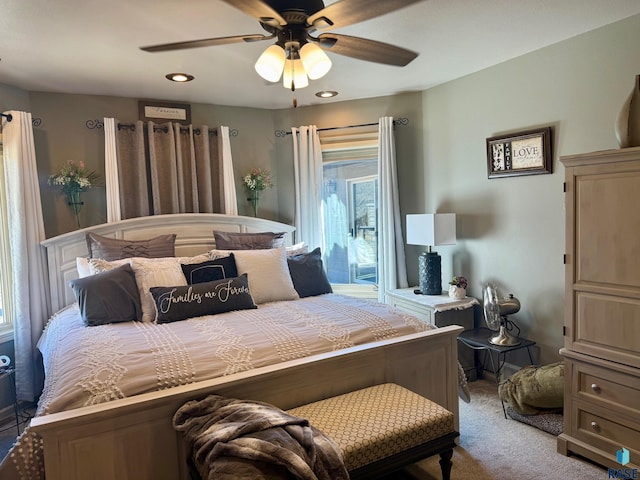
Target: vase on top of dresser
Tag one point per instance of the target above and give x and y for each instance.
(458, 288)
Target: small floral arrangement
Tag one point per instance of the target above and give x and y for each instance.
(257, 179)
(460, 282)
(73, 179)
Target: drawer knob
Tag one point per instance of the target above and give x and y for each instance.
(595, 388)
(595, 427)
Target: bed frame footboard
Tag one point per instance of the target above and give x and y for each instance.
(133, 438)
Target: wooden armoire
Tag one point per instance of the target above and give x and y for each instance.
(602, 307)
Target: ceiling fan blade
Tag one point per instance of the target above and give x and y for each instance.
(259, 10)
(348, 12)
(364, 49)
(206, 42)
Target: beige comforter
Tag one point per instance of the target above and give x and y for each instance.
(90, 365)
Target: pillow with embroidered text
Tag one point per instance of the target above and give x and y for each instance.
(208, 298)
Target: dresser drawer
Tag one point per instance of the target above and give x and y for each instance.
(608, 388)
(423, 313)
(605, 430)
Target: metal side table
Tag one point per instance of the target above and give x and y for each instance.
(9, 373)
(478, 339)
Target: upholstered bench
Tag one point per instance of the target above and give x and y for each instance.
(383, 428)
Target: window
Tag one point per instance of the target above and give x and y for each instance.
(350, 209)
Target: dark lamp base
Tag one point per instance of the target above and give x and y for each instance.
(429, 273)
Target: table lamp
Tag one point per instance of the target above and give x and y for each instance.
(431, 229)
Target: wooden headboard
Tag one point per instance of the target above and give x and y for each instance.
(194, 236)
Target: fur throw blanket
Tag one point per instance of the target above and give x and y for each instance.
(237, 439)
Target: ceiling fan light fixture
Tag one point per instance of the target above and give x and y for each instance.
(316, 63)
(294, 76)
(270, 64)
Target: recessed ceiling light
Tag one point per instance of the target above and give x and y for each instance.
(326, 94)
(179, 77)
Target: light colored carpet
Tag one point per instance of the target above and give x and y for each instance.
(495, 448)
(491, 447)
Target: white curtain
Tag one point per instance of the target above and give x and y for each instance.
(307, 166)
(111, 171)
(392, 271)
(28, 264)
(230, 202)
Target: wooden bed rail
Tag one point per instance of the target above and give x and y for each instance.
(133, 438)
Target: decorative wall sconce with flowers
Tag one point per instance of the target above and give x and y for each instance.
(73, 179)
(257, 180)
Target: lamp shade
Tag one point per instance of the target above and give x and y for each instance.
(294, 71)
(316, 63)
(431, 229)
(270, 64)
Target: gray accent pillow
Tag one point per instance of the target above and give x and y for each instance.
(209, 298)
(308, 275)
(224, 267)
(111, 249)
(108, 297)
(248, 241)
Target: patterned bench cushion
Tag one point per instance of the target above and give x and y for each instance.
(376, 422)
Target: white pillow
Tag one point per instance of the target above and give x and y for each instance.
(297, 249)
(267, 271)
(155, 272)
(83, 267)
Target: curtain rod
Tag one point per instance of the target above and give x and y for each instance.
(399, 121)
(157, 128)
(8, 115)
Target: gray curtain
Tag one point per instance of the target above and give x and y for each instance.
(169, 168)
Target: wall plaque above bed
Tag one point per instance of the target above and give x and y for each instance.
(160, 112)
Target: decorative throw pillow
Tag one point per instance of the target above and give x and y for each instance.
(108, 297)
(83, 267)
(108, 248)
(297, 249)
(269, 278)
(155, 272)
(97, 265)
(208, 298)
(248, 241)
(210, 270)
(308, 275)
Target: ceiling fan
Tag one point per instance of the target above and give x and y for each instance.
(298, 53)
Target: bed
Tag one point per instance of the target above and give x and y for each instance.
(125, 431)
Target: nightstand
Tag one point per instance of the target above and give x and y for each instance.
(8, 374)
(478, 339)
(438, 310)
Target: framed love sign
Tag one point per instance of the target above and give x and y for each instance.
(522, 153)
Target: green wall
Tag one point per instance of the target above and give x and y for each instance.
(511, 230)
